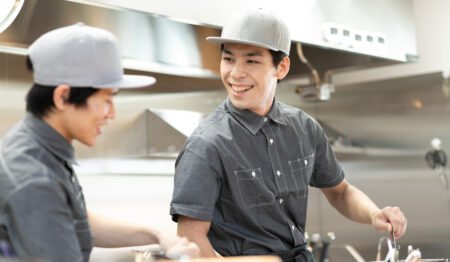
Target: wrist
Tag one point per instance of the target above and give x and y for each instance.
(373, 214)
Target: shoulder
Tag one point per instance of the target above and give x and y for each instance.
(204, 143)
(22, 156)
(213, 127)
(297, 117)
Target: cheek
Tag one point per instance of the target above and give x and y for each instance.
(224, 69)
(99, 109)
(106, 109)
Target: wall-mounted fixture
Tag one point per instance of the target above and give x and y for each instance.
(361, 40)
(437, 160)
(320, 89)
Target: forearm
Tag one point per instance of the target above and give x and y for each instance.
(357, 206)
(353, 204)
(112, 233)
(196, 231)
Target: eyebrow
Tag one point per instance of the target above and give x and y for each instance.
(251, 54)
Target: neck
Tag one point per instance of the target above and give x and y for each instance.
(56, 122)
(263, 110)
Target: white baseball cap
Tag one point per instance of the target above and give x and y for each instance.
(81, 56)
(258, 27)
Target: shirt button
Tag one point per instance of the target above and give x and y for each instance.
(73, 179)
(292, 227)
(278, 173)
(271, 141)
(306, 162)
(253, 174)
(281, 201)
(265, 119)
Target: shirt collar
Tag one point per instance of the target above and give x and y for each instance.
(252, 121)
(50, 138)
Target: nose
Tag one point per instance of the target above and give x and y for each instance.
(238, 70)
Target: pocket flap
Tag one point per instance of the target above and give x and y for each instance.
(248, 174)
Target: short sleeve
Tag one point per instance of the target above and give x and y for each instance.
(40, 223)
(327, 169)
(197, 180)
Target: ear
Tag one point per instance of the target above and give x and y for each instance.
(283, 68)
(60, 96)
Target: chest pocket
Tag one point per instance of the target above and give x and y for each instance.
(301, 171)
(252, 189)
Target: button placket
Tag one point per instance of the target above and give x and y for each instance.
(275, 163)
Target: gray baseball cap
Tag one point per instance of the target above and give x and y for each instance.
(258, 27)
(81, 56)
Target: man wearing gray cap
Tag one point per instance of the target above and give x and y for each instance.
(241, 181)
(77, 71)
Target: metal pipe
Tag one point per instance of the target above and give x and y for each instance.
(379, 248)
(305, 61)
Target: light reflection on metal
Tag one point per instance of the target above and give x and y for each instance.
(446, 84)
(9, 9)
(417, 103)
(183, 121)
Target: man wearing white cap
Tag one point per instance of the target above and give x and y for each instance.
(77, 71)
(241, 180)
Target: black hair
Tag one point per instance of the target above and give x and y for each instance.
(277, 56)
(39, 100)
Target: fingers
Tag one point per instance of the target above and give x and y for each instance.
(395, 220)
(185, 248)
(175, 246)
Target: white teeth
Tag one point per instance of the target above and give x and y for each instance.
(240, 88)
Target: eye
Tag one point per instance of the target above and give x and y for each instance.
(252, 62)
(228, 59)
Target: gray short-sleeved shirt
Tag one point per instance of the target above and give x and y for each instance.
(42, 206)
(249, 176)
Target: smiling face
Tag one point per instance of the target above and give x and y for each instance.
(85, 123)
(250, 76)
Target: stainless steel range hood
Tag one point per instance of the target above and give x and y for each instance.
(168, 37)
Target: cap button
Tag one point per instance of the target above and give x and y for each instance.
(80, 24)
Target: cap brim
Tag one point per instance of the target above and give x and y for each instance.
(129, 81)
(220, 40)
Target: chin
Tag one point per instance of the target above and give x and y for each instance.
(239, 104)
(89, 143)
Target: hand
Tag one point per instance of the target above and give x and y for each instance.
(388, 217)
(175, 246)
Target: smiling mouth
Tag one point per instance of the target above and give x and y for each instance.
(240, 88)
